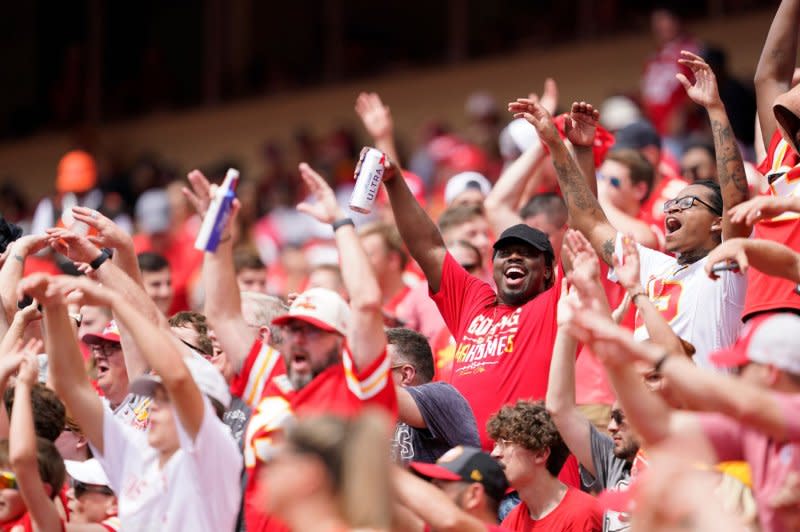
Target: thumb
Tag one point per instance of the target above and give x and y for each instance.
(684, 81)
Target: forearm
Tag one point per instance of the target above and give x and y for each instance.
(65, 362)
(502, 202)
(125, 259)
(646, 411)
(14, 333)
(657, 327)
(419, 233)
(730, 169)
(777, 60)
(387, 145)
(585, 213)
(22, 446)
(560, 396)
(773, 258)
(584, 155)
(10, 275)
(222, 297)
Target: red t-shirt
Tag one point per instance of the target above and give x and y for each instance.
(340, 389)
(577, 512)
(25, 524)
(503, 353)
(764, 292)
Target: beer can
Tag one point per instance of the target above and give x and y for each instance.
(368, 176)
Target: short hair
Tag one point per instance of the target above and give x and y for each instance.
(529, 425)
(716, 193)
(550, 204)
(459, 215)
(150, 261)
(641, 171)
(49, 413)
(390, 236)
(415, 349)
(51, 465)
(261, 310)
(246, 259)
(198, 322)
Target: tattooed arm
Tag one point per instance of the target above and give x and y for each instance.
(585, 213)
(730, 168)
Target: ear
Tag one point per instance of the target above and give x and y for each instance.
(409, 373)
(473, 496)
(717, 225)
(112, 507)
(540, 457)
(264, 334)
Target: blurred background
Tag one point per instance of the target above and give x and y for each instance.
(153, 89)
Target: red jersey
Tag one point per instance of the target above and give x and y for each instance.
(263, 363)
(503, 353)
(764, 292)
(340, 389)
(577, 512)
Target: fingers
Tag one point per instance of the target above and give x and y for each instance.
(584, 110)
(684, 81)
(549, 98)
(89, 216)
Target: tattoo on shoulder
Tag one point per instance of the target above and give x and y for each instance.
(608, 250)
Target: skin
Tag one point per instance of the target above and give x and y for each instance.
(112, 376)
(466, 256)
(554, 234)
(158, 286)
(325, 278)
(471, 196)
(163, 432)
(516, 462)
(11, 504)
(697, 163)
(308, 351)
(93, 320)
(250, 280)
(535, 273)
(628, 196)
(693, 240)
(91, 507)
(475, 231)
(625, 443)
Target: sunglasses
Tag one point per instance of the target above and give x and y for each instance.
(8, 480)
(613, 181)
(81, 488)
(687, 202)
(618, 417)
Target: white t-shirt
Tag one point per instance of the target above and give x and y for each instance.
(702, 311)
(198, 489)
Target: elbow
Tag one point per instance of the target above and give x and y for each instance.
(21, 459)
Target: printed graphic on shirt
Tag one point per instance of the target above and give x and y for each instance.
(485, 342)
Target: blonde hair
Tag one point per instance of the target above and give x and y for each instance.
(355, 453)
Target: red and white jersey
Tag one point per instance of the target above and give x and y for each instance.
(341, 389)
(700, 310)
(767, 293)
(263, 363)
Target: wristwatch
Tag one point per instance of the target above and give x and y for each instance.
(105, 254)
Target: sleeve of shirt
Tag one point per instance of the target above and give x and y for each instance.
(602, 447)
(790, 406)
(724, 434)
(456, 289)
(447, 415)
(216, 459)
(374, 383)
(121, 445)
(650, 260)
(262, 363)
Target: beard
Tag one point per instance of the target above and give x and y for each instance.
(628, 451)
(300, 381)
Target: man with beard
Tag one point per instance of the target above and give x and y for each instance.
(334, 356)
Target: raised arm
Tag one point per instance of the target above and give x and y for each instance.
(377, 120)
(501, 203)
(763, 208)
(223, 300)
(110, 235)
(432, 505)
(628, 272)
(23, 445)
(730, 167)
(65, 361)
(776, 64)
(12, 270)
(580, 127)
(365, 335)
(585, 213)
(766, 256)
(419, 233)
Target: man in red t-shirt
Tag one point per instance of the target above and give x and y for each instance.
(531, 451)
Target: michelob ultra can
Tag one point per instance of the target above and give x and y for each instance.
(368, 175)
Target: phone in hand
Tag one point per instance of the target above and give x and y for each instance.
(725, 267)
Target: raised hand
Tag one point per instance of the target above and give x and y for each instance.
(760, 208)
(28, 245)
(38, 287)
(581, 124)
(628, 269)
(201, 192)
(82, 291)
(730, 252)
(28, 372)
(325, 209)
(567, 303)
(72, 245)
(376, 117)
(549, 99)
(581, 254)
(704, 91)
(532, 110)
(30, 313)
(109, 234)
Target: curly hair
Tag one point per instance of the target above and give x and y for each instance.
(529, 425)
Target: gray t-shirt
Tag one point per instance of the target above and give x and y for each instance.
(449, 421)
(611, 473)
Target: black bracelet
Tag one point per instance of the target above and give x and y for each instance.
(341, 223)
(660, 362)
(105, 254)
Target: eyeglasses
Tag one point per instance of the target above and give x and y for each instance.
(8, 480)
(82, 488)
(687, 202)
(309, 332)
(503, 443)
(105, 349)
(613, 181)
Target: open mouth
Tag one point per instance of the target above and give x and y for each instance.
(514, 275)
(672, 224)
(300, 363)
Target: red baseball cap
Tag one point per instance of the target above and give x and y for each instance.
(110, 334)
(768, 339)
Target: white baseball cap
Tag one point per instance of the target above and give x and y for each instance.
(208, 379)
(88, 472)
(771, 339)
(464, 181)
(321, 308)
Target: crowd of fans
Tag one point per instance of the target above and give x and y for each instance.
(599, 333)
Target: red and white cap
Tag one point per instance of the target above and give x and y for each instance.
(321, 308)
(110, 334)
(768, 339)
